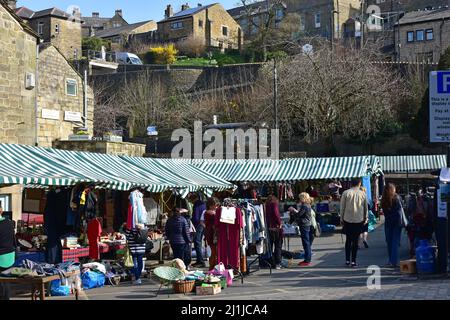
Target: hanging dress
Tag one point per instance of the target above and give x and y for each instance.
(228, 241)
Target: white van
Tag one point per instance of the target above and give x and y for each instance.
(127, 58)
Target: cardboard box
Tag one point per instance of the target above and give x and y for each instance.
(208, 291)
(408, 266)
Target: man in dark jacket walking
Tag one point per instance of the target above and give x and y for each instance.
(7, 251)
(177, 231)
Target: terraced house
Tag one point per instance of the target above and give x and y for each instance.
(42, 98)
(57, 27)
(212, 23)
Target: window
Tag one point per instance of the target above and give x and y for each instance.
(317, 20)
(200, 23)
(177, 25)
(71, 87)
(420, 35)
(41, 28)
(279, 14)
(57, 28)
(425, 57)
(225, 31)
(429, 34)
(302, 23)
(410, 36)
(255, 24)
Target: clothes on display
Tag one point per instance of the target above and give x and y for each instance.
(94, 231)
(137, 213)
(55, 222)
(153, 211)
(229, 236)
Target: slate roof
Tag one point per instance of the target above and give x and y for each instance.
(26, 13)
(423, 16)
(188, 12)
(24, 25)
(120, 30)
(261, 6)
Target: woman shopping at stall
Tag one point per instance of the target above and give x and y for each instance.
(7, 251)
(177, 232)
(275, 227)
(393, 211)
(208, 219)
(302, 216)
(136, 239)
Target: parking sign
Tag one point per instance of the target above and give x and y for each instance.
(440, 106)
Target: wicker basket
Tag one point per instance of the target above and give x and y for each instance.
(185, 286)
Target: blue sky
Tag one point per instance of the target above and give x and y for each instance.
(133, 10)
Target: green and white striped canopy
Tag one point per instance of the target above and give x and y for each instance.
(31, 166)
(187, 177)
(401, 164)
(291, 169)
(34, 166)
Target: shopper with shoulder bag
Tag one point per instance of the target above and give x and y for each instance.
(136, 239)
(395, 221)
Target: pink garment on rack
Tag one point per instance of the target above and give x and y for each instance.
(228, 241)
(130, 219)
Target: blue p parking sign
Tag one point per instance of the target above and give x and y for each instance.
(440, 106)
(443, 82)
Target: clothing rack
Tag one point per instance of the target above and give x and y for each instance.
(259, 259)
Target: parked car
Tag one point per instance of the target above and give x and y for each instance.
(128, 58)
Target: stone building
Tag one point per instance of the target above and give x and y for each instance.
(211, 23)
(121, 36)
(39, 101)
(60, 98)
(255, 14)
(17, 78)
(95, 23)
(422, 36)
(57, 27)
(324, 18)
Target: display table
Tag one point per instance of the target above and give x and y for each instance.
(76, 254)
(37, 284)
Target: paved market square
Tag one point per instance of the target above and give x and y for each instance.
(328, 279)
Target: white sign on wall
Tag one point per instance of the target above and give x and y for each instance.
(440, 106)
(50, 114)
(72, 116)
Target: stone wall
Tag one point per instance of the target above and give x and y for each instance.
(54, 72)
(114, 148)
(18, 57)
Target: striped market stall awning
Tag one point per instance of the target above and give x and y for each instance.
(291, 169)
(41, 167)
(411, 164)
(181, 173)
(31, 166)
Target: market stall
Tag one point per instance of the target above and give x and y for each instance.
(410, 173)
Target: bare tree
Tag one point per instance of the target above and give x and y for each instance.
(107, 110)
(324, 94)
(193, 46)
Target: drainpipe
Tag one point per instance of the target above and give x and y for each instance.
(85, 104)
(36, 91)
(441, 27)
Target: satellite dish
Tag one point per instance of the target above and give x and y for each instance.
(307, 49)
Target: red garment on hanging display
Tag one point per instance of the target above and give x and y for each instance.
(94, 231)
(228, 241)
(130, 220)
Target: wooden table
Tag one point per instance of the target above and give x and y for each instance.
(38, 283)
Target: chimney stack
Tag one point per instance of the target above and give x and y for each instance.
(185, 7)
(95, 14)
(119, 12)
(169, 11)
(12, 4)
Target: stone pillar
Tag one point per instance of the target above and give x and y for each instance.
(16, 200)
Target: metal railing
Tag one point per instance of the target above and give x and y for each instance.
(100, 56)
